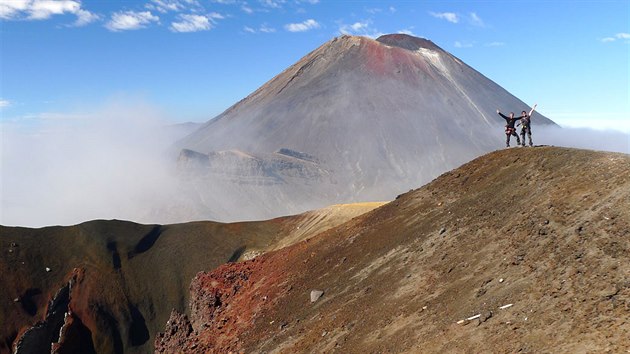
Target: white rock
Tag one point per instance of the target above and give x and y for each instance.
(316, 294)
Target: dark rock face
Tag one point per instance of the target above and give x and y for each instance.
(61, 331)
(362, 119)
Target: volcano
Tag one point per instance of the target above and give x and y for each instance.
(355, 120)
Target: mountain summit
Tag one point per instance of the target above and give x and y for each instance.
(356, 119)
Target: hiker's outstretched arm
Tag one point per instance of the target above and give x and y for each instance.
(533, 108)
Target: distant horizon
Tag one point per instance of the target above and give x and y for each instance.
(189, 60)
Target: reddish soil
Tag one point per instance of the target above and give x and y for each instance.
(126, 278)
(545, 230)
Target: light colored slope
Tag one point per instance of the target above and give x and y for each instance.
(311, 223)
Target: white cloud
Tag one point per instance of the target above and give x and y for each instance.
(354, 28)
(302, 26)
(475, 20)
(448, 16)
(360, 28)
(44, 9)
(495, 44)
(130, 20)
(406, 31)
(392, 9)
(246, 9)
(266, 29)
(312, 2)
(165, 6)
(85, 17)
(11, 9)
(274, 4)
(192, 23)
(4, 103)
(621, 35)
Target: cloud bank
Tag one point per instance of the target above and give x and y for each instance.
(66, 169)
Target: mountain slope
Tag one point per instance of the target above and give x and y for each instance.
(545, 230)
(114, 283)
(375, 118)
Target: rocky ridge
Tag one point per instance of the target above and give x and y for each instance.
(521, 250)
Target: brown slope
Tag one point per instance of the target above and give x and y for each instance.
(125, 278)
(545, 229)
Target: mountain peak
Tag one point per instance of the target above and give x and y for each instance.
(407, 42)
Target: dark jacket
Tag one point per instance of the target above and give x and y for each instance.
(510, 121)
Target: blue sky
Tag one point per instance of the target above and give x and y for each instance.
(192, 59)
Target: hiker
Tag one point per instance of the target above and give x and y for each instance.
(509, 128)
(526, 125)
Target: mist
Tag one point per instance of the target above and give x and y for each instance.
(111, 163)
(582, 138)
(119, 162)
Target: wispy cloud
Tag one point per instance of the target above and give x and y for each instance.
(264, 28)
(84, 18)
(407, 31)
(448, 16)
(274, 4)
(494, 44)
(4, 103)
(246, 9)
(302, 26)
(459, 44)
(44, 9)
(130, 20)
(194, 23)
(165, 6)
(620, 36)
(360, 28)
(475, 20)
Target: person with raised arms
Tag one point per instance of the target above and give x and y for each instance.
(526, 125)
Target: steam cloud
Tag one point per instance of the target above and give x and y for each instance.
(116, 163)
(68, 169)
(583, 138)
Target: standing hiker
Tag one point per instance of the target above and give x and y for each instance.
(509, 128)
(526, 125)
